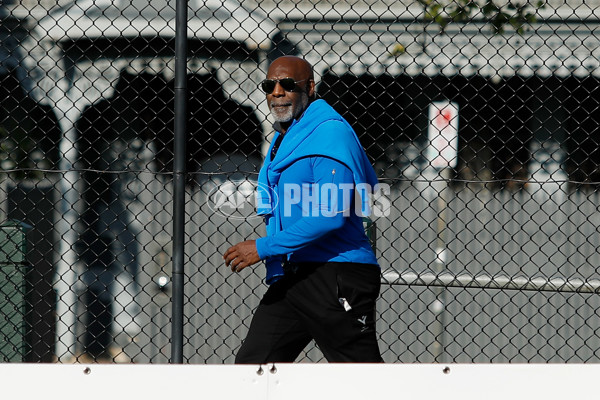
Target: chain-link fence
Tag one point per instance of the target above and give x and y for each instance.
(482, 116)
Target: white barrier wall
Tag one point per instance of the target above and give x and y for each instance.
(298, 381)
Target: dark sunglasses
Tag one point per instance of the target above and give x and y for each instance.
(288, 84)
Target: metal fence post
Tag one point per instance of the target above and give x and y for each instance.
(179, 179)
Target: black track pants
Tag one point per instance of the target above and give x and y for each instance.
(332, 303)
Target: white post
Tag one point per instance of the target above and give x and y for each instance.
(442, 153)
(66, 265)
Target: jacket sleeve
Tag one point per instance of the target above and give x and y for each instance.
(333, 192)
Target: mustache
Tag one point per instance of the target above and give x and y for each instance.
(277, 104)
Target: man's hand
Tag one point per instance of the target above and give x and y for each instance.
(241, 255)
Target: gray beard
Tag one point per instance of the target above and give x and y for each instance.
(283, 116)
(288, 114)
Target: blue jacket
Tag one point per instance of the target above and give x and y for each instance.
(306, 223)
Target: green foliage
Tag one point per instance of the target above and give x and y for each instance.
(499, 14)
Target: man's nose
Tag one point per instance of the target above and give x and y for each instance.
(278, 91)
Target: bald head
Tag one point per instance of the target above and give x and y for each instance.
(299, 66)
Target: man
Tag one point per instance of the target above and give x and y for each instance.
(323, 275)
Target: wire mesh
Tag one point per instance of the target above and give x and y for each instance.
(483, 121)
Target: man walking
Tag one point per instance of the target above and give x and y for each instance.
(323, 275)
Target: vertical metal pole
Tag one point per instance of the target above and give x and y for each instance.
(439, 305)
(181, 15)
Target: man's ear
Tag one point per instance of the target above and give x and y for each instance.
(310, 88)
